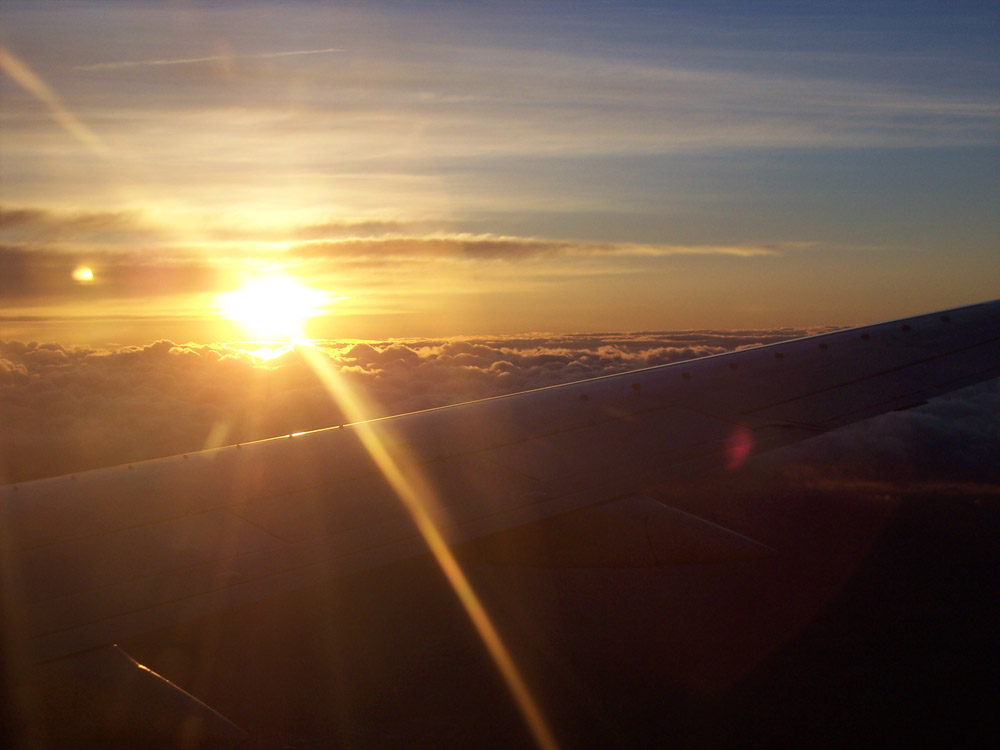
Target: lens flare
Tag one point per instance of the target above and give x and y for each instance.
(421, 502)
(25, 77)
(739, 445)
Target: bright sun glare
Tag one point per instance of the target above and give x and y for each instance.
(276, 307)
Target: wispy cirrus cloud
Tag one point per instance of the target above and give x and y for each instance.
(222, 57)
(489, 246)
(33, 224)
(28, 270)
(117, 231)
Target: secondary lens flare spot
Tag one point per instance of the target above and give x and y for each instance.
(276, 307)
(739, 445)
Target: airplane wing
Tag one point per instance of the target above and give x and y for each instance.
(102, 555)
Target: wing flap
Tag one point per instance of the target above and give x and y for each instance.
(105, 695)
(635, 532)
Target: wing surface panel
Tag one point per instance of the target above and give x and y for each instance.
(613, 449)
(94, 562)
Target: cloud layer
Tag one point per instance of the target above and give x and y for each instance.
(68, 409)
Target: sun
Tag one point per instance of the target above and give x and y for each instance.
(275, 307)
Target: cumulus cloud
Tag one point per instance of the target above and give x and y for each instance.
(69, 408)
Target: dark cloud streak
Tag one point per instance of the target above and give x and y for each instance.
(45, 273)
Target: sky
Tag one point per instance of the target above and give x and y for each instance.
(209, 172)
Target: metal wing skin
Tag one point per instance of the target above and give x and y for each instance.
(102, 555)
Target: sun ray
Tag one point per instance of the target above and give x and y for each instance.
(25, 77)
(418, 499)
